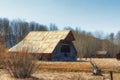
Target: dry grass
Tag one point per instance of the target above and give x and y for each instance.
(74, 70)
(104, 64)
(73, 76)
(65, 66)
(48, 75)
(108, 64)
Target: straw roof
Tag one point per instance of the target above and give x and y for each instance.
(41, 41)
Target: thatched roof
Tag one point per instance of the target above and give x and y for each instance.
(41, 41)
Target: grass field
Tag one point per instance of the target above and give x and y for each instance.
(73, 70)
(82, 65)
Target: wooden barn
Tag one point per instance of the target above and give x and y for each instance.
(49, 46)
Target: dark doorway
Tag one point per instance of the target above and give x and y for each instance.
(65, 48)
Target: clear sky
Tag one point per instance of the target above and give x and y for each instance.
(89, 15)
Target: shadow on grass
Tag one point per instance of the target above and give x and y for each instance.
(31, 78)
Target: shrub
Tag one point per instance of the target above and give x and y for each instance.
(20, 65)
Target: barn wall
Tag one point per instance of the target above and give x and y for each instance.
(39, 56)
(43, 56)
(60, 56)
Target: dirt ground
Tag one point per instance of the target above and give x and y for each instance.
(81, 70)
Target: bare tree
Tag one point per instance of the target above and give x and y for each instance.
(53, 27)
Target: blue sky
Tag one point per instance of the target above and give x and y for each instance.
(89, 15)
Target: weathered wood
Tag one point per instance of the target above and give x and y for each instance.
(111, 75)
(64, 51)
(96, 70)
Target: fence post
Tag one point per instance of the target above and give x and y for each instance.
(111, 75)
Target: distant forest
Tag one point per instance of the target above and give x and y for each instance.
(14, 31)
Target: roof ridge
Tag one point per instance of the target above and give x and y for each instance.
(52, 31)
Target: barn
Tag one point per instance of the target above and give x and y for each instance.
(49, 45)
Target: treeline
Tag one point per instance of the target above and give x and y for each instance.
(14, 31)
(90, 44)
